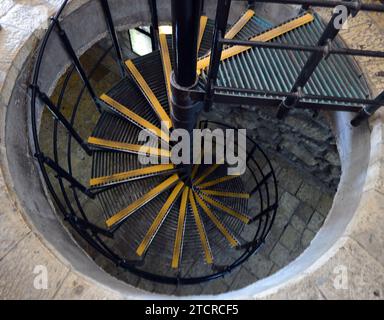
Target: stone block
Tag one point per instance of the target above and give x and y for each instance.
(17, 277)
(309, 194)
(367, 227)
(316, 222)
(289, 180)
(304, 212)
(259, 265)
(325, 204)
(352, 273)
(76, 288)
(307, 237)
(290, 238)
(280, 255)
(288, 204)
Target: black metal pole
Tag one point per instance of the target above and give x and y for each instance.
(59, 116)
(64, 174)
(310, 66)
(185, 111)
(186, 23)
(154, 24)
(112, 32)
(71, 52)
(367, 111)
(222, 13)
(352, 5)
(298, 47)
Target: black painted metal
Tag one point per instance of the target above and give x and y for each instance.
(329, 34)
(59, 116)
(115, 39)
(186, 23)
(352, 5)
(71, 52)
(321, 49)
(369, 110)
(154, 24)
(64, 174)
(221, 21)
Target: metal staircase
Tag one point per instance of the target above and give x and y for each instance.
(155, 223)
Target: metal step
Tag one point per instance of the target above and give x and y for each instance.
(150, 79)
(277, 70)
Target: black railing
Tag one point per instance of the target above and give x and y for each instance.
(294, 98)
(67, 190)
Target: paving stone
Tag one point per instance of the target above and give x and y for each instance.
(316, 222)
(297, 223)
(288, 203)
(280, 255)
(244, 278)
(259, 265)
(325, 204)
(216, 286)
(289, 180)
(309, 194)
(304, 212)
(21, 268)
(188, 290)
(12, 227)
(307, 237)
(290, 238)
(76, 288)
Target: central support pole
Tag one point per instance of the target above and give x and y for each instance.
(186, 24)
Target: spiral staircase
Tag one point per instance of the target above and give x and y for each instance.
(159, 221)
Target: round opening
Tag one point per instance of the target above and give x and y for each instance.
(311, 174)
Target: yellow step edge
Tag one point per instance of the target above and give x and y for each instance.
(264, 37)
(136, 148)
(135, 117)
(239, 25)
(224, 208)
(239, 195)
(167, 66)
(163, 116)
(231, 239)
(206, 173)
(123, 214)
(159, 219)
(217, 181)
(130, 174)
(201, 229)
(177, 249)
(203, 25)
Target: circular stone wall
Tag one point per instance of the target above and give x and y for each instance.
(351, 236)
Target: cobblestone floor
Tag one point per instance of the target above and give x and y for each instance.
(303, 205)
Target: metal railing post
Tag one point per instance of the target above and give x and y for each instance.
(222, 13)
(113, 33)
(71, 52)
(367, 111)
(329, 34)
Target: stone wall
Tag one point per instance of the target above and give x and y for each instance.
(304, 139)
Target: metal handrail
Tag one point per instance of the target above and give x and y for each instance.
(295, 97)
(74, 213)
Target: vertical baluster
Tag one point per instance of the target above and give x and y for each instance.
(113, 33)
(71, 52)
(222, 13)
